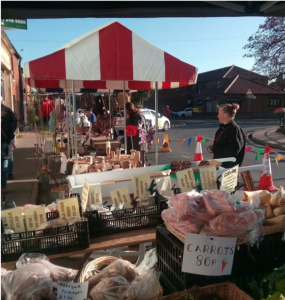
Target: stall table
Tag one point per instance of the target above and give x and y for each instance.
(111, 241)
(99, 144)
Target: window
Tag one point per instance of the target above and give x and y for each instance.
(219, 84)
(208, 85)
(147, 114)
(273, 102)
(199, 102)
(234, 100)
(153, 113)
(2, 86)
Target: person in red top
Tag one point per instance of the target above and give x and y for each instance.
(166, 112)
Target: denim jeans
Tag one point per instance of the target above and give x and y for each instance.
(4, 172)
(11, 164)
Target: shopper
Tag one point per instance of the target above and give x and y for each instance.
(166, 112)
(135, 117)
(229, 139)
(91, 116)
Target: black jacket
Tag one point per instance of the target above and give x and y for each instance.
(229, 142)
(8, 125)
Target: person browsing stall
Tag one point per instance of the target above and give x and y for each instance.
(91, 116)
(230, 138)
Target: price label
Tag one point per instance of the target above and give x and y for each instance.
(141, 184)
(121, 197)
(84, 195)
(35, 217)
(13, 219)
(68, 208)
(95, 195)
(208, 178)
(229, 179)
(186, 180)
(206, 255)
(72, 291)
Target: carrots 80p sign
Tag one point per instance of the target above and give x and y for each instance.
(206, 255)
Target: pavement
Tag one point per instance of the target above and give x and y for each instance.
(269, 137)
(23, 188)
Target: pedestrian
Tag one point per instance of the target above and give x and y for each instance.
(135, 117)
(8, 128)
(91, 116)
(230, 138)
(166, 112)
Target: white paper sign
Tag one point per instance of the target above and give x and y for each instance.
(186, 180)
(141, 184)
(208, 178)
(229, 179)
(84, 195)
(72, 291)
(95, 195)
(206, 255)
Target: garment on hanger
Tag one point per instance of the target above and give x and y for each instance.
(62, 108)
(46, 107)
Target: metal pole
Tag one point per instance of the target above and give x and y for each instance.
(68, 112)
(67, 122)
(110, 114)
(74, 124)
(125, 135)
(156, 123)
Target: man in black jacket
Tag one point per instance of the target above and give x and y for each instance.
(230, 138)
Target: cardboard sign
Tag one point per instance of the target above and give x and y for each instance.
(229, 179)
(72, 291)
(35, 217)
(68, 208)
(208, 178)
(121, 198)
(95, 195)
(206, 255)
(84, 195)
(141, 184)
(186, 180)
(13, 219)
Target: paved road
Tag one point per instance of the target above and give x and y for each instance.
(207, 128)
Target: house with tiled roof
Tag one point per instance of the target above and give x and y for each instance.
(226, 85)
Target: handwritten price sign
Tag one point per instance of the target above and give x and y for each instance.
(72, 291)
(206, 255)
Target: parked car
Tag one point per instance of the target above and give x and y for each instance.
(163, 122)
(174, 114)
(187, 112)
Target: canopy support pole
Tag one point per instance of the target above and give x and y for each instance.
(125, 135)
(74, 124)
(110, 114)
(67, 123)
(156, 123)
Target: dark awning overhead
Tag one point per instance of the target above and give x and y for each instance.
(139, 9)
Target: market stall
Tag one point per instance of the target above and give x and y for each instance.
(130, 64)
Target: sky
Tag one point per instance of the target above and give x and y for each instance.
(206, 43)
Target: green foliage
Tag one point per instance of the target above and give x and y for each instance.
(139, 97)
(280, 129)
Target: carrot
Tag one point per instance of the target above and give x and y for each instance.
(277, 196)
(279, 211)
(275, 221)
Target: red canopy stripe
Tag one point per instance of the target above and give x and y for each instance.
(96, 84)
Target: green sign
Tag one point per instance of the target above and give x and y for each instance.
(14, 24)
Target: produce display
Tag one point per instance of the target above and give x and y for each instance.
(219, 213)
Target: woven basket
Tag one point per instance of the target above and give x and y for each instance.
(94, 266)
(224, 291)
(241, 239)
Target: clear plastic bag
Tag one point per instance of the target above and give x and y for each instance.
(99, 208)
(113, 288)
(28, 281)
(52, 224)
(216, 202)
(56, 272)
(74, 220)
(53, 206)
(34, 206)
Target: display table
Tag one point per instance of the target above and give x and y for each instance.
(111, 241)
(99, 144)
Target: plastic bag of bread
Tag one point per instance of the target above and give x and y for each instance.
(119, 267)
(52, 207)
(31, 281)
(3, 272)
(113, 288)
(56, 272)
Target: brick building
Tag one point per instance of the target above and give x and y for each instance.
(12, 81)
(225, 85)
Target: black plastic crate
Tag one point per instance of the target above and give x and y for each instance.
(124, 219)
(168, 288)
(48, 241)
(248, 261)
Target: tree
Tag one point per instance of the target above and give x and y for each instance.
(267, 46)
(139, 97)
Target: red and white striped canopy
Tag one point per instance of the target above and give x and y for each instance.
(107, 57)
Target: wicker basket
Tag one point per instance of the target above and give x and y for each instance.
(241, 239)
(94, 266)
(224, 291)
